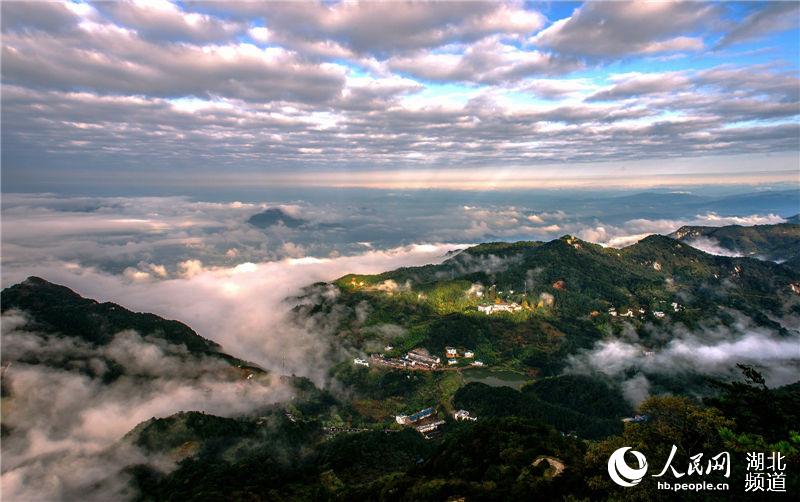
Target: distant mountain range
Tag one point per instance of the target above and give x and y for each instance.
(659, 205)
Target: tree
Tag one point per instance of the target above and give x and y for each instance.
(672, 420)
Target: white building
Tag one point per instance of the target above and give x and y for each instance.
(451, 352)
(469, 354)
(360, 362)
(402, 419)
(451, 362)
(477, 363)
(429, 427)
(659, 314)
(464, 415)
(422, 356)
(499, 307)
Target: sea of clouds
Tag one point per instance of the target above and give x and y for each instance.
(65, 423)
(202, 263)
(165, 236)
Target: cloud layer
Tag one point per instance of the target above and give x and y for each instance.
(273, 87)
(713, 351)
(145, 239)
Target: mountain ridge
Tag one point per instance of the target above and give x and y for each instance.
(58, 310)
(558, 298)
(778, 242)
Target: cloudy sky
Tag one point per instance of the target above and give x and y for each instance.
(398, 94)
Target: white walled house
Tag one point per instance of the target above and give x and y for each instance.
(464, 415)
(499, 307)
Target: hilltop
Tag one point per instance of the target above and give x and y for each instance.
(274, 216)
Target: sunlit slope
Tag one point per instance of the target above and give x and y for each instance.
(567, 290)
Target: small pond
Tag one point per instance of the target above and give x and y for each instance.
(496, 378)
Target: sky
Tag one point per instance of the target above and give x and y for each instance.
(464, 95)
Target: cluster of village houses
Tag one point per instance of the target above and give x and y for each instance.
(418, 359)
(452, 355)
(631, 313)
(427, 423)
(546, 300)
(424, 421)
(641, 312)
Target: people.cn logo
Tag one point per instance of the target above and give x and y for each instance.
(621, 473)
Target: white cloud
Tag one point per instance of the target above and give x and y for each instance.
(377, 27)
(771, 18)
(163, 20)
(712, 246)
(711, 351)
(716, 220)
(190, 268)
(271, 87)
(487, 61)
(608, 30)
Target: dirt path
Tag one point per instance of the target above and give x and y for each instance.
(556, 465)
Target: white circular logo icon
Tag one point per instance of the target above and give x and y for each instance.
(619, 470)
